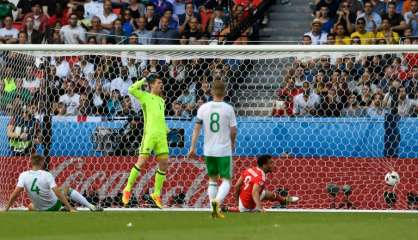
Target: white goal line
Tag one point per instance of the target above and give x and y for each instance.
(267, 210)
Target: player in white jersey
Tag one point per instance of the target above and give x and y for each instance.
(43, 192)
(220, 128)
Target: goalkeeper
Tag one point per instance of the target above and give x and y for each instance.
(154, 137)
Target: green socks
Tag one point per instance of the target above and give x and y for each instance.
(132, 178)
(159, 181)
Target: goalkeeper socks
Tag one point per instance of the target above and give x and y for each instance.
(212, 190)
(159, 181)
(132, 178)
(223, 190)
(80, 199)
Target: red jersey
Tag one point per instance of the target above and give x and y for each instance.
(250, 177)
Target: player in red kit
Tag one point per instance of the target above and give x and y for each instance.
(250, 190)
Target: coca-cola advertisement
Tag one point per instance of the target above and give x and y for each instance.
(186, 183)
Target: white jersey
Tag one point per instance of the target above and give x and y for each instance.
(38, 185)
(217, 119)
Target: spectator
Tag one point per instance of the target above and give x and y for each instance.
(173, 23)
(39, 18)
(306, 40)
(97, 31)
(113, 105)
(84, 108)
(23, 7)
(6, 9)
(151, 19)
(405, 105)
(161, 6)
(31, 81)
(345, 17)
(376, 107)
(318, 37)
(118, 36)
(305, 103)
(144, 36)
(187, 99)
(330, 105)
(136, 8)
(127, 23)
(330, 39)
(396, 20)
(8, 34)
(217, 23)
(23, 132)
(120, 83)
(93, 8)
(387, 33)
(33, 36)
(73, 33)
(22, 38)
(176, 110)
(372, 19)
(352, 109)
(61, 15)
(341, 38)
(63, 69)
(164, 35)
(361, 33)
(70, 99)
(411, 18)
(331, 4)
(326, 21)
(98, 99)
(107, 17)
(204, 91)
(127, 109)
(60, 110)
(287, 95)
(192, 29)
(187, 16)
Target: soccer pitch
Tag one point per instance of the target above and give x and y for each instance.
(199, 226)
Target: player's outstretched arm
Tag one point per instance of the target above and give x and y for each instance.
(13, 197)
(63, 199)
(256, 198)
(237, 189)
(136, 89)
(195, 135)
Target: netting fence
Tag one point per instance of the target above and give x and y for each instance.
(330, 115)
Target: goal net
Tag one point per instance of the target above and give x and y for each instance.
(336, 119)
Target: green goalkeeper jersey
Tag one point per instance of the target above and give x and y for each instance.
(153, 107)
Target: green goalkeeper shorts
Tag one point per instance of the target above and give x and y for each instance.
(154, 143)
(219, 166)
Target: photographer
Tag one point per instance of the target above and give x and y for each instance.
(23, 132)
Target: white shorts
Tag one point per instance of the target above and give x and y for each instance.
(243, 209)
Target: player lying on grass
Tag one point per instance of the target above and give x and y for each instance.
(44, 193)
(249, 189)
(220, 128)
(154, 138)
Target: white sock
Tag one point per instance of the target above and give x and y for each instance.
(212, 190)
(80, 199)
(223, 190)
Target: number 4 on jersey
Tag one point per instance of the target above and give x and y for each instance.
(34, 187)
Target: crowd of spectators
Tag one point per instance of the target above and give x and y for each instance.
(345, 22)
(124, 22)
(334, 86)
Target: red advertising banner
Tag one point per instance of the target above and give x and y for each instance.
(303, 177)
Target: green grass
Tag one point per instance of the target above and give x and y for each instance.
(199, 226)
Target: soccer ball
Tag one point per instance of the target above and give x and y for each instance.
(392, 178)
